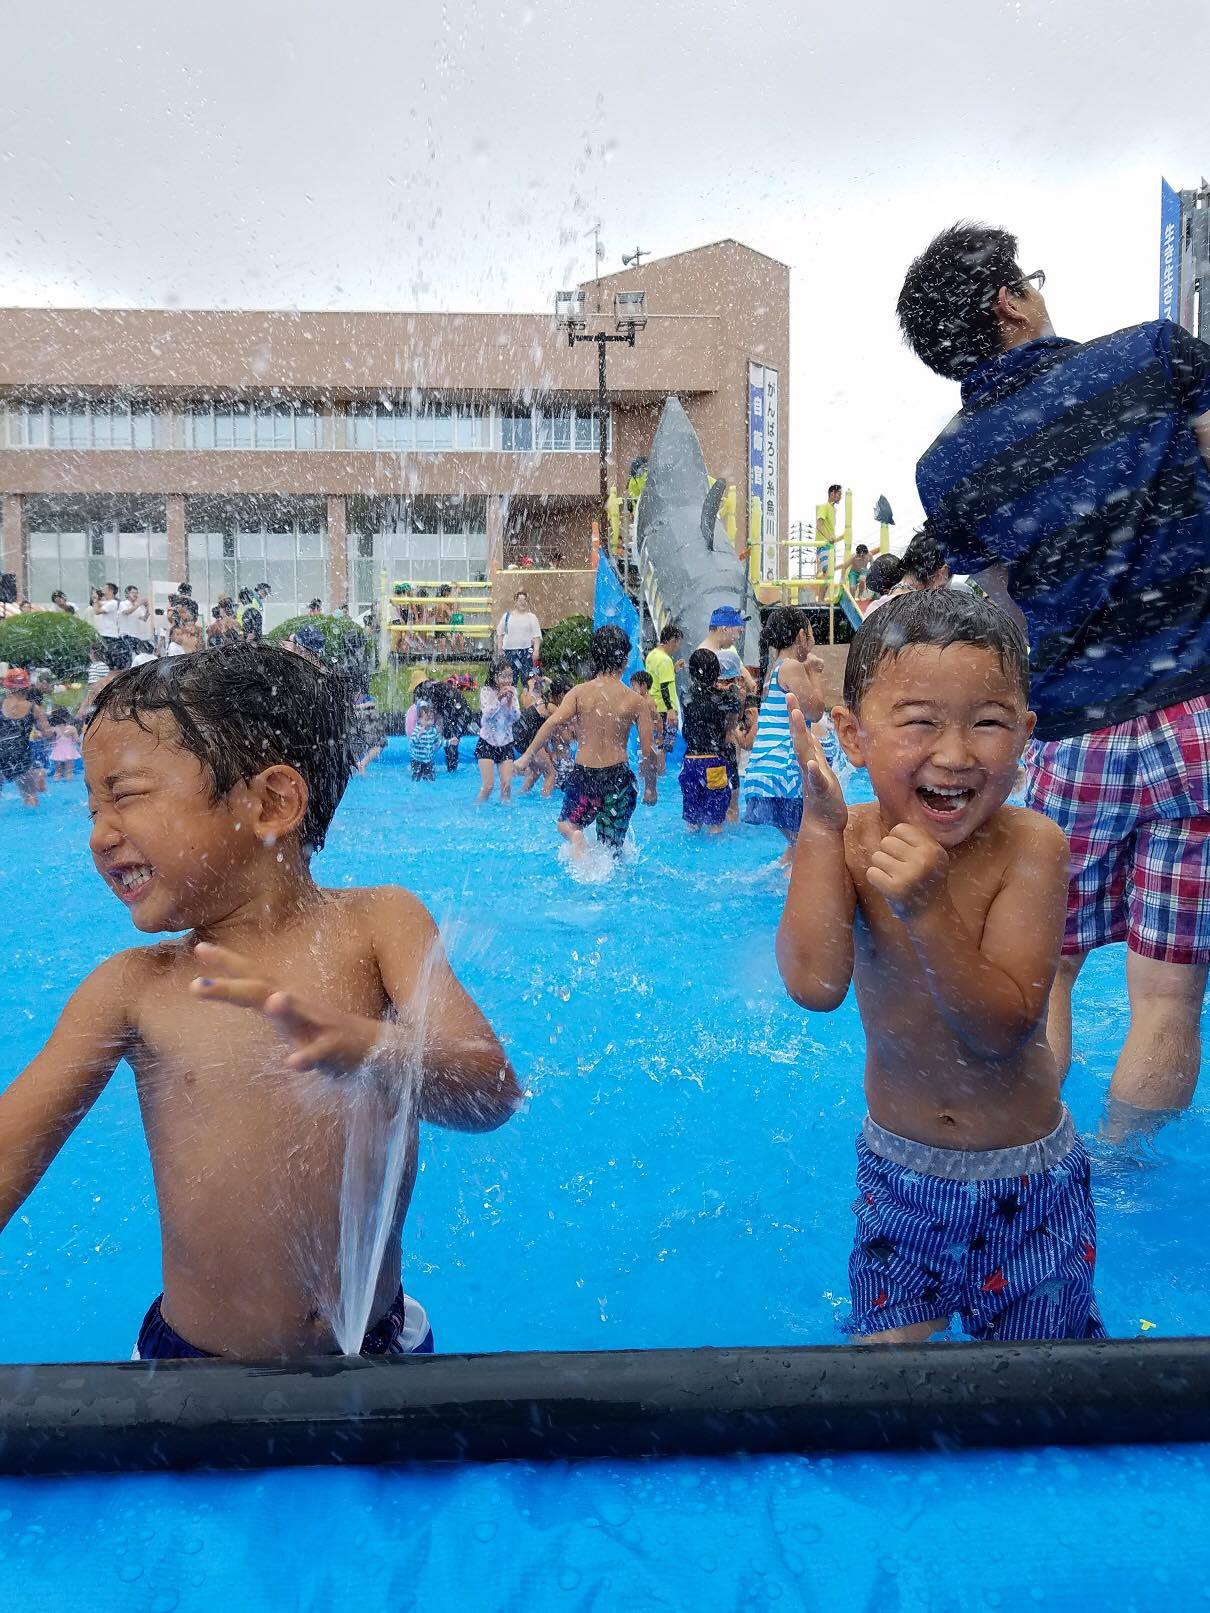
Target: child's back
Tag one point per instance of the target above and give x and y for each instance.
(209, 780)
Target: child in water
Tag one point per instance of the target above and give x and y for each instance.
(531, 719)
(601, 787)
(65, 749)
(710, 718)
(424, 742)
(946, 907)
(498, 713)
(641, 682)
(211, 781)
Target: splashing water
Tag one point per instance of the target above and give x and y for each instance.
(381, 1113)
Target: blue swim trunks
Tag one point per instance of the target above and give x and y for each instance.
(1006, 1238)
(404, 1330)
(705, 790)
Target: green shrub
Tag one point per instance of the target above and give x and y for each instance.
(48, 638)
(340, 632)
(566, 649)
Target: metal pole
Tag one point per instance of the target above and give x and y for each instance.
(603, 425)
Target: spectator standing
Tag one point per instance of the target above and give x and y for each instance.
(138, 634)
(519, 637)
(1075, 482)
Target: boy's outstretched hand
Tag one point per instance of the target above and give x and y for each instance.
(909, 869)
(823, 799)
(327, 1039)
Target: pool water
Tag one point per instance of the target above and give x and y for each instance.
(681, 1175)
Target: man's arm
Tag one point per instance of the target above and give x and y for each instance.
(991, 990)
(47, 1101)
(815, 936)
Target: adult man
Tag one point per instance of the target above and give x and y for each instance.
(825, 531)
(138, 634)
(519, 637)
(109, 626)
(1079, 475)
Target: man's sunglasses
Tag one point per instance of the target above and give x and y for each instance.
(1037, 280)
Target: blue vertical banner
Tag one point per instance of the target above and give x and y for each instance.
(1170, 251)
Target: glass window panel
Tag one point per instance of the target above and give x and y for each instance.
(251, 546)
(362, 429)
(262, 425)
(142, 428)
(79, 428)
(470, 429)
(241, 426)
(59, 427)
(200, 433)
(119, 425)
(223, 427)
(545, 436)
(283, 427)
(35, 428)
(96, 428)
(443, 428)
(425, 441)
(561, 424)
(307, 427)
(453, 548)
(311, 544)
(583, 432)
(16, 427)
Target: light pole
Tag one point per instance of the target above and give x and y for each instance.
(629, 317)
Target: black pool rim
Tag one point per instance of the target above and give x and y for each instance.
(103, 1417)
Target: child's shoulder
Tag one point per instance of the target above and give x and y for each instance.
(379, 906)
(1024, 829)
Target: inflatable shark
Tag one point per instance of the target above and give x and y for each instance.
(686, 560)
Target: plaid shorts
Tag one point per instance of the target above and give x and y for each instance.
(1134, 802)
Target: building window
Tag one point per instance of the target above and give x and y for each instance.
(99, 423)
(516, 431)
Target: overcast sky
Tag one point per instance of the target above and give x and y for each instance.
(405, 153)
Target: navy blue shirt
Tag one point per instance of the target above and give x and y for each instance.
(1075, 465)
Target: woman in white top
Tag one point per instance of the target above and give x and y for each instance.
(519, 637)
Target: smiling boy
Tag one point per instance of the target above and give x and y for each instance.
(212, 778)
(946, 909)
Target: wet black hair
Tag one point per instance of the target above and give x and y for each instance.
(782, 626)
(610, 649)
(245, 596)
(643, 679)
(940, 617)
(560, 688)
(947, 305)
(885, 573)
(834, 487)
(499, 665)
(252, 707)
(862, 548)
(59, 717)
(924, 556)
(669, 631)
(704, 667)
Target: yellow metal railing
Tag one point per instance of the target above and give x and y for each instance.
(474, 598)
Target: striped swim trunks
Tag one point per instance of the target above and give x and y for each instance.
(1005, 1238)
(1134, 802)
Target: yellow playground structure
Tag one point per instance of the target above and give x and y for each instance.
(417, 619)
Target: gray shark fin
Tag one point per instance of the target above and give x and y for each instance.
(710, 508)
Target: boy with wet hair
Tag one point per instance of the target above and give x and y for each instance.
(600, 788)
(212, 779)
(946, 909)
(642, 682)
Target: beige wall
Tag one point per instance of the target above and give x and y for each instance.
(552, 594)
(186, 350)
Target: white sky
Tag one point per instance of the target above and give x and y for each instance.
(405, 153)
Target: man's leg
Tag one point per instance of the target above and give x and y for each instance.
(1058, 1015)
(1158, 1066)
